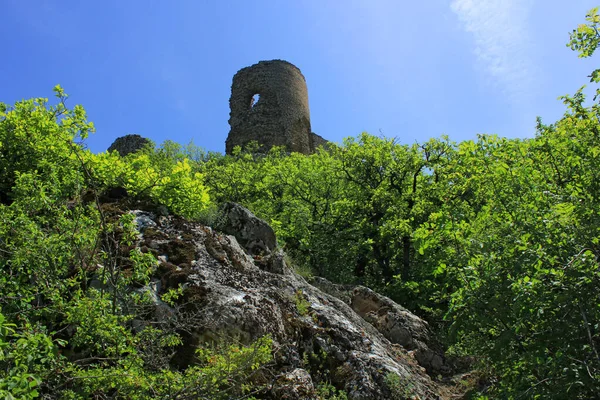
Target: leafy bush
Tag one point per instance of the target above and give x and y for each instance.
(24, 357)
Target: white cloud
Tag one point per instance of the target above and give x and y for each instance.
(502, 42)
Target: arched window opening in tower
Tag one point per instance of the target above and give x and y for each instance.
(254, 100)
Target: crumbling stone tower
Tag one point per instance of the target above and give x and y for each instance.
(269, 104)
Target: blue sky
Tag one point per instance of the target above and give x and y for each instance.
(411, 70)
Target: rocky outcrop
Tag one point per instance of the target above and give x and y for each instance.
(251, 232)
(234, 290)
(296, 384)
(399, 326)
(393, 321)
(129, 144)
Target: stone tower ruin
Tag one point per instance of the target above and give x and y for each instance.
(269, 105)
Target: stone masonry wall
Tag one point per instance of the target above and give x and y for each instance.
(317, 141)
(281, 115)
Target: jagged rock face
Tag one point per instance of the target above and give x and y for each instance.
(128, 144)
(251, 232)
(296, 384)
(235, 293)
(399, 326)
(393, 321)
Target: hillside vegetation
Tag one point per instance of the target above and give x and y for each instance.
(496, 242)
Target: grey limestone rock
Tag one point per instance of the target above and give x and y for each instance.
(393, 321)
(254, 234)
(231, 295)
(399, 326)
(295, 385)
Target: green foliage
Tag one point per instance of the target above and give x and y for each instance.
(585, 40)
(96, 331)
(400, 387)
(302, 305)
(37, 144)
(326, 391)
(224, 372)
(230, 371)
(148, 174)
(24, 357)
(528, 260)
(528, 253)
(337, 211)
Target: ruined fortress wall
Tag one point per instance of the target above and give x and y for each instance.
(317, 141)
(280, 117)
